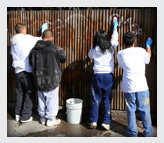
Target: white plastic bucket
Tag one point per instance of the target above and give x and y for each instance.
(74, 110)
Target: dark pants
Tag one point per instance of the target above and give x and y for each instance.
(102, 85)
(25, 93)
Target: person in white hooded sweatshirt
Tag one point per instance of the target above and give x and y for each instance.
(102, 79)
(21, 44)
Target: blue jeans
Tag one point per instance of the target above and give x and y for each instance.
(141, 100)
(102, 85)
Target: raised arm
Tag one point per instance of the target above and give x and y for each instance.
(114, 37)
(148, 44)
(35, 39)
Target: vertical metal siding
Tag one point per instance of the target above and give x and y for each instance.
(74, 31)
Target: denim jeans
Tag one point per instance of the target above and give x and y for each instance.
(102, 85)
(140, 100)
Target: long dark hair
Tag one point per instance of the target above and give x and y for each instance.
(101, 40)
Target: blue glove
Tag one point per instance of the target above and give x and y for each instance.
(44, 27)
(115, 24)
(149, 42)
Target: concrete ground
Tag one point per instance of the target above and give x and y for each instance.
(64, 129)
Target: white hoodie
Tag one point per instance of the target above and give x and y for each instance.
(104, 63)
(20, 47)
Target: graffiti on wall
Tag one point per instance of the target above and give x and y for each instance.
(121, 21)
(133, 27)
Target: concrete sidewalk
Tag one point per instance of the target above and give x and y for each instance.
(35, 129)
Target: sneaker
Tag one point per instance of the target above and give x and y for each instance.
(106, 126)
(93, 125)
(25, 121)
(17, 117)
(42, 120)
(53, 122)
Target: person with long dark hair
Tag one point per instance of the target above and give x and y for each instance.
(102, 79)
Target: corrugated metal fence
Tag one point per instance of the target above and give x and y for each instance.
(74, 30)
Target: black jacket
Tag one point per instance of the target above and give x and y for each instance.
(45, 59)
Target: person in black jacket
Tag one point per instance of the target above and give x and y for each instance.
(45, 59)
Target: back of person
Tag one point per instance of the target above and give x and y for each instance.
(103, 63)
(103, 57)
(21, 44)
(45, 60)
(134, 84)
(102, 79)
(133, 62)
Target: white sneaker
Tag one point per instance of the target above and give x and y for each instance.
(17, 117)
(106, 126)
(25, 121)
(93, 125)
(53, 122)
(42, 120)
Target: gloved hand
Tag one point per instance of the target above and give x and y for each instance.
(115, 24)
(149, 42)
(44, 27)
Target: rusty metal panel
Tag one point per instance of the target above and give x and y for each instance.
(74, 31)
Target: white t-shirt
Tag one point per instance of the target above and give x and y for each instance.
(133, 61)
(104, 63)
(20, 47)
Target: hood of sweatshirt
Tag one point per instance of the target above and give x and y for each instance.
(42, 44)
